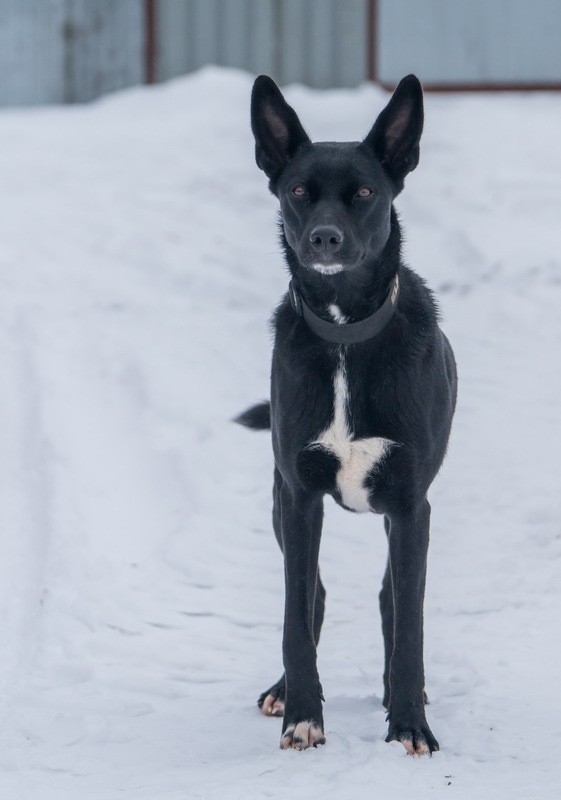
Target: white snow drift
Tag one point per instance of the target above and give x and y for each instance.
(141, 589)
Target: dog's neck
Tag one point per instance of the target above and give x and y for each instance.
(353, 295)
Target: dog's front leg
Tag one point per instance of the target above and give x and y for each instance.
(301, 521)
(408, 545)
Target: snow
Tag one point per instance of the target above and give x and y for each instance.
(141, 588)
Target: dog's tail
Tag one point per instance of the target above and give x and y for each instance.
(257, 417)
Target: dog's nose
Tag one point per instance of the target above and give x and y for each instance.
(326, 239)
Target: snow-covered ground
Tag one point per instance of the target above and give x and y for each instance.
(140, 584)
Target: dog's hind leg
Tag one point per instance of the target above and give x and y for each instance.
(271, 702)
(408, 546)
(319, 609)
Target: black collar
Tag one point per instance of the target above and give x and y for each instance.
(351, 332)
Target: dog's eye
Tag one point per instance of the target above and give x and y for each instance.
(298, 190)
(364, 191)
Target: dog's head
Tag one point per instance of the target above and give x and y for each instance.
(336, 197)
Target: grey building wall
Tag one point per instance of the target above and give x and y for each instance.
(57, 51)
(31, 56)
(64, 51)
(319, 42)
(326, 43)
(105, 42)
(482, 42)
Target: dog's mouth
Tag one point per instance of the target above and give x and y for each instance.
(327, 269)
(342, 262)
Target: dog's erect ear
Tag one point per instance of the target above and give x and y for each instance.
(396, 133)
(276, 127)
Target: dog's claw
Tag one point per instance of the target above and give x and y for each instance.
(271, 702)
(417, 742)
(302, 735)
(272, 706)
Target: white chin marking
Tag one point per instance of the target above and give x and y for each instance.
(302, 736)
(328, 269)
(272, 706)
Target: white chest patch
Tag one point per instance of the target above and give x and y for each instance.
(357, 456)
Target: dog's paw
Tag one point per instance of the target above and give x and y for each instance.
(301, 735)
(418, 740)
(271, 706)
(271, 702)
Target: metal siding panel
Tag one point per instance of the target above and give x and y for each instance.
(321, 43)
(104, 47)
(262, 54)
(450, 41)
(294, 34)
(407, 38)
(527, 40)
(234, 25)
(351, 39)
(32, 52)
(206, 35)
(262, 40)
(237, 33)
(173, 26)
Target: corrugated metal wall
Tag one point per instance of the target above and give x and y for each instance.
(55, 51)
(480, 42)
(64, 51)
(104, 47)
(319, 42)
(31, 58)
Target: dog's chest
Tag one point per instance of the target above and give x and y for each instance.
(357, 457)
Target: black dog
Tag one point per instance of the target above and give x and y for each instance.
(362, 396)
